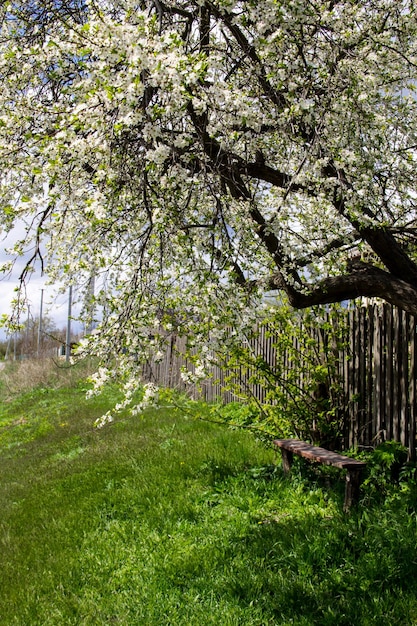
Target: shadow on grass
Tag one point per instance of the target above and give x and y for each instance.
(303, 567)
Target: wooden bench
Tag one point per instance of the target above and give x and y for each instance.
(354, 468)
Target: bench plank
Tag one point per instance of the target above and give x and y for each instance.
(354, 468)
(314, 453)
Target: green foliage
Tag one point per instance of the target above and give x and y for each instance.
(302, 389)
(387, 466)
(237, 414)
(3, 349)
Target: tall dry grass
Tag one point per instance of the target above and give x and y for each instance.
(20, 376)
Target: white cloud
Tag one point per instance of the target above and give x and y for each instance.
(55, 304)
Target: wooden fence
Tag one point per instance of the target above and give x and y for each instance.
(376, 365)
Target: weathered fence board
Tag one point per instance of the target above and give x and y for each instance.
(377, 366)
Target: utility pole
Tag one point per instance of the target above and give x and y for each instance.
(27, 333)
(6, 356)
(68, 338)
(40, 329)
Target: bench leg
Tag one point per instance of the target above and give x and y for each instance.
(287, 458)
(353, 483)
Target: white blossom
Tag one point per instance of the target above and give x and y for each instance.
(195, 165)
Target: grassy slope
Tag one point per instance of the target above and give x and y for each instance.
(170, 521)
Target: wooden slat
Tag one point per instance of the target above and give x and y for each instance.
(315, 453)
(404, 379)
(377, 378)
(352, 380)
(370, 311)
(388, 377)
(412, 391)
(361, 412)
(395, 375)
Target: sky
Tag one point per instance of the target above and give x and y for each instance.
(55, 306)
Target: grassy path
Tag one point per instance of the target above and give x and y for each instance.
(171, 521)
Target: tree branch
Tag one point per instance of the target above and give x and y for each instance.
(363, 280)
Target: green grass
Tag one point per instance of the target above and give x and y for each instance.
(167, 520)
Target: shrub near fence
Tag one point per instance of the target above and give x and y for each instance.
(374, 362)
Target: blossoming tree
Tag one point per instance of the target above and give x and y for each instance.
(199, 153)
